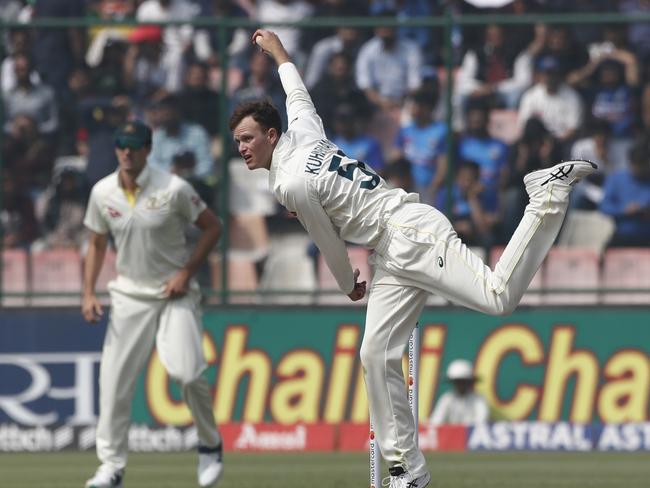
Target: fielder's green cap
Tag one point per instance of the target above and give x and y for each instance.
(134, 135)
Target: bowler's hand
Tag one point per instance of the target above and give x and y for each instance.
(178, 285)
(359, 288)
(270, 43)
(91, 309)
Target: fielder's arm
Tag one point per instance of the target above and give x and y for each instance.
(210, 227)
(91, 309)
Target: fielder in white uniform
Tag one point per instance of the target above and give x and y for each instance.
(461, 405)
(416, 251)
(154, 298)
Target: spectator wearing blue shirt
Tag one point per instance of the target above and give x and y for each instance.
(473, 211)
(614, 100)
(351, 137)
(627, 198)
(174, 136)
(477, 145)
(424, 143)
(422, 36)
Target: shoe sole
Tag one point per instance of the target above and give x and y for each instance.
(427, 483)
(557, 172)
(213, 483)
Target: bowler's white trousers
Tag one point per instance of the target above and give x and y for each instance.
(419, 254)
(134, 325)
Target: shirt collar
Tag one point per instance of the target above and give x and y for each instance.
(275, 159)
(142, 179)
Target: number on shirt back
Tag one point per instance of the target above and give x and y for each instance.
(347, 171)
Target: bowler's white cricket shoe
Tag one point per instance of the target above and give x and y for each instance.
(106, 477)
(564, 174)
(210, 466)
(399, 478)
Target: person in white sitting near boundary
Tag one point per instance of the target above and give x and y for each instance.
(461, 405)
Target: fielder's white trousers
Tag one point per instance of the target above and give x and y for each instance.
(419, 254)
(135, 324)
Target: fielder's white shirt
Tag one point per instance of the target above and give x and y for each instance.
(468, 409)
(150, 236)
(336, 198)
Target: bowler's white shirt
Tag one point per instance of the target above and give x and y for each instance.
(333, 198)
(150, 236)
(453, 408)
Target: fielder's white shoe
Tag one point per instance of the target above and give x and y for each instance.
(566, 174)
(401, 479)
(210, 466)
(106, 477)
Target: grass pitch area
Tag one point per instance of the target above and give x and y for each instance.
(338, 470)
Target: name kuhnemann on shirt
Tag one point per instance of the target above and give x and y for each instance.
(317, 156)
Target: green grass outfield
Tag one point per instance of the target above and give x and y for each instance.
(338, 470)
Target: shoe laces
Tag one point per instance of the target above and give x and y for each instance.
(401, 481)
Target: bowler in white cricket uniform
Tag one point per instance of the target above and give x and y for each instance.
(154, 298)
(416, 250)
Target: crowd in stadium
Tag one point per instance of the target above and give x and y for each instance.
(524, 97)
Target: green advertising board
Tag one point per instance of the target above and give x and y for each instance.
(301, 365)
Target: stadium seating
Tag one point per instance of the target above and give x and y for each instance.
(56, 271)
(585, 228)
(571, 268)
(14, 276)
(626, 268)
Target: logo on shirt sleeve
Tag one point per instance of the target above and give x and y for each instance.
(113, 213)
(196, 200)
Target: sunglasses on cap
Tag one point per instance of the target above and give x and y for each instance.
(129, 143)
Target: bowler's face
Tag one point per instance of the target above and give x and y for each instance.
(254, 143)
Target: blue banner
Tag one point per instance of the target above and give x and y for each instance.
(558, 436)
(49, 363)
